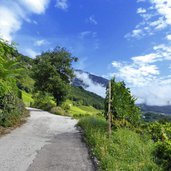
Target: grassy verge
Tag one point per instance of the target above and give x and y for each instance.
(16, 122)
(125, 150)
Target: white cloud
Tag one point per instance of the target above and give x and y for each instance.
(92, 20)
(155, 18)
(116, 64)
(40, 42)
(96, 88)
(10, 22)
(62, 4)
(88, 33)
(137, 33)
(145, 83)
(155, 93)
(137, 75)
(35, 6)
(149, 58)
(168, 37)
(141, 10)
(31, 53)
(13, 13)
(144, 77)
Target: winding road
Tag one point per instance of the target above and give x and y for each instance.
(46, 142)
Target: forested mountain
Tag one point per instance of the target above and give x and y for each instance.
(94, 78)
(156, 109)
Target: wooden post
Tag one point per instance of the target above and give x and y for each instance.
(109, 109)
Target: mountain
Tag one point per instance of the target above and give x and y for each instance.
(80, 82)
(97, 84)
(156, 109)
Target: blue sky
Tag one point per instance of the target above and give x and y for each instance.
(126, 38)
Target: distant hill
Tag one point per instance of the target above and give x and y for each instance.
(156, 109)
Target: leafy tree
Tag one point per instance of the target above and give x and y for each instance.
(11, 107)
(9, 65)
(122, 103)
(53, 73)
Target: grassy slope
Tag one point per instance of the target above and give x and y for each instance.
(81, 96)
(81, 110)
(125, 150)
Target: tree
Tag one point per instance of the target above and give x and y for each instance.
(53, 73)
(9, 66)
(122, 103)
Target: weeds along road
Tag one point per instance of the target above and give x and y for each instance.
(46, 142)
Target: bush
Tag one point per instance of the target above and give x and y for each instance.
(163, 154)
(65, 106)
(43, 101)
(58, 111)
(11, 107)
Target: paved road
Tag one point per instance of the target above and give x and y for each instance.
(45, 143)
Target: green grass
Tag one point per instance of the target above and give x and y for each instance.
(27, 98)
(81, 110)
(125, 150)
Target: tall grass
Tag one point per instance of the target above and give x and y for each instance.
(125, 150)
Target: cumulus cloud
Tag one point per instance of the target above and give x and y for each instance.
(156, 93)
(168, 37)
(31, 53)
(136, 74)
(62, 4)
(155, 18)
(13, 13)
(144, 77)
(92, 87)
(35, 6)
(141, 10)
(10, 22)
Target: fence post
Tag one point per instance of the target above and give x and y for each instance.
(109, 110)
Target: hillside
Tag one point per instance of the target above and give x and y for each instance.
(83, 97)
(156, 109)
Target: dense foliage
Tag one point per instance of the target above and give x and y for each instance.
(86, 98)
(11, 105)
(161, 134)
(122, 103)
(151, 117)
(52, 73)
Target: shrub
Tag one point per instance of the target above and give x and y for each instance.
(11, 107)
(163, 154)
(58, 111)
(65, 106)
(43, 101)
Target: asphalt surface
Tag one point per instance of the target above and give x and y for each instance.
(46, 142)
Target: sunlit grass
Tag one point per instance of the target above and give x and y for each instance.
(124, 150)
